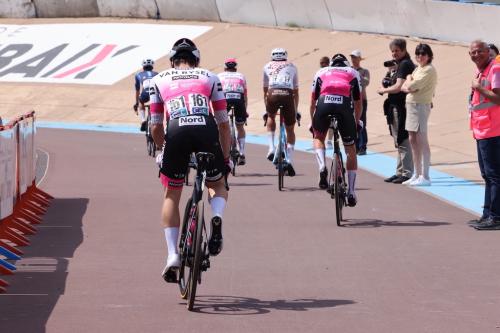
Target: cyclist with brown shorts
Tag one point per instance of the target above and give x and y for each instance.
(281, 89)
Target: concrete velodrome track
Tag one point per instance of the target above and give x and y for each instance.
(404, 262)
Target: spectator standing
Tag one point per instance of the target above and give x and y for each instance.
(420, 86)
(396, 111)
(493, 50)
(484, 111)
(364, 75)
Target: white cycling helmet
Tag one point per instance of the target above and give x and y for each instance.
(279, 54)
(148, 62)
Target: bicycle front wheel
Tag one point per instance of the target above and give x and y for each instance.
(195, 277)
(337, 188)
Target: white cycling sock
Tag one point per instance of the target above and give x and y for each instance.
(241, 141)
(289, 151)
(218, 204)
(142, 114)
(171, 236)
(351, 177)
(320, 157)
(270, 140)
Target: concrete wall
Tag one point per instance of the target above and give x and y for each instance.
(17, 8)
(442, 20)
(66, 8)
(129, 8)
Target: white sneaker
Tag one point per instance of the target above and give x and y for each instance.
(173, 264)
(411, 180)
(421, 181)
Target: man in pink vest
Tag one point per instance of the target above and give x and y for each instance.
(484, 110)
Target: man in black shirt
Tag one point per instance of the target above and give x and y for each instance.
(396, 113)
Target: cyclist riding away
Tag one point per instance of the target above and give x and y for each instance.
(281, 88)
(183, 93)
(234, 85)
(335, 89)
(142, 83)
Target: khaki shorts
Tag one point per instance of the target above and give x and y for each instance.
(417, 117)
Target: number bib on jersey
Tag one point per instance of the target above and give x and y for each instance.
(334, 99)
(199, 104)
(176, 107)
(233, 96)
(192, 121)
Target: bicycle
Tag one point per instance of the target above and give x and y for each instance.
(234, 152)
(150, 144)
(193, 242)
(280, 154)
(337, 186)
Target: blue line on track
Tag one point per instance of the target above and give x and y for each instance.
(457, 191)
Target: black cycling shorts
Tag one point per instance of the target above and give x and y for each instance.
(240, 111)
(185, 135)
(144, 97)
(342, 107)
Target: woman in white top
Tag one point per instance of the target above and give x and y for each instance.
(420, 86)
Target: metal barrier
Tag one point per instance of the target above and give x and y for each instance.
(21, 202)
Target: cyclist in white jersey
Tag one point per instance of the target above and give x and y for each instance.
(234, 85)
(183, 93)
(281, 88)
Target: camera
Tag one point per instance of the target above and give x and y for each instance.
(386, 82)
(390, 63)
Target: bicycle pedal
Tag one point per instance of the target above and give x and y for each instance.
(205, 264)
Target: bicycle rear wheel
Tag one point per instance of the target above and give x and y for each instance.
(281, 167)
(185, 251)
(195, 277)
(337, 188)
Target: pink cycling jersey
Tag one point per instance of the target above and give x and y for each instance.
(335, 81)
(234, 84)
(184, 92)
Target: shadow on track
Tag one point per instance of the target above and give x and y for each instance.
(42, 272)
(237, 305)
(373, 223)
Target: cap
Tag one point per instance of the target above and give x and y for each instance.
(357, 54)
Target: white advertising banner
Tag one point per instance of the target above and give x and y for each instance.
(97, 53)
(7, 172)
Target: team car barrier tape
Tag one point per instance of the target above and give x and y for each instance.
(21, 202)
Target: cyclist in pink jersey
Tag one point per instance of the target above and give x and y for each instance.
(335, 89)
(183, 93)
(234, 85)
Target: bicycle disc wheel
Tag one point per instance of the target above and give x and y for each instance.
(194, 277)
(337, 189)
(185, 251)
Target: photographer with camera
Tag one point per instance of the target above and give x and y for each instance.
(395, 109)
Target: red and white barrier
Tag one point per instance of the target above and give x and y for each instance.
(21, 202)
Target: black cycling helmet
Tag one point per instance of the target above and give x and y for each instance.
(184, 48)
(339, 60)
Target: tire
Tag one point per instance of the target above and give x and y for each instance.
(184, 270)
(195, 275)
(281, 167)
(337, 190)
